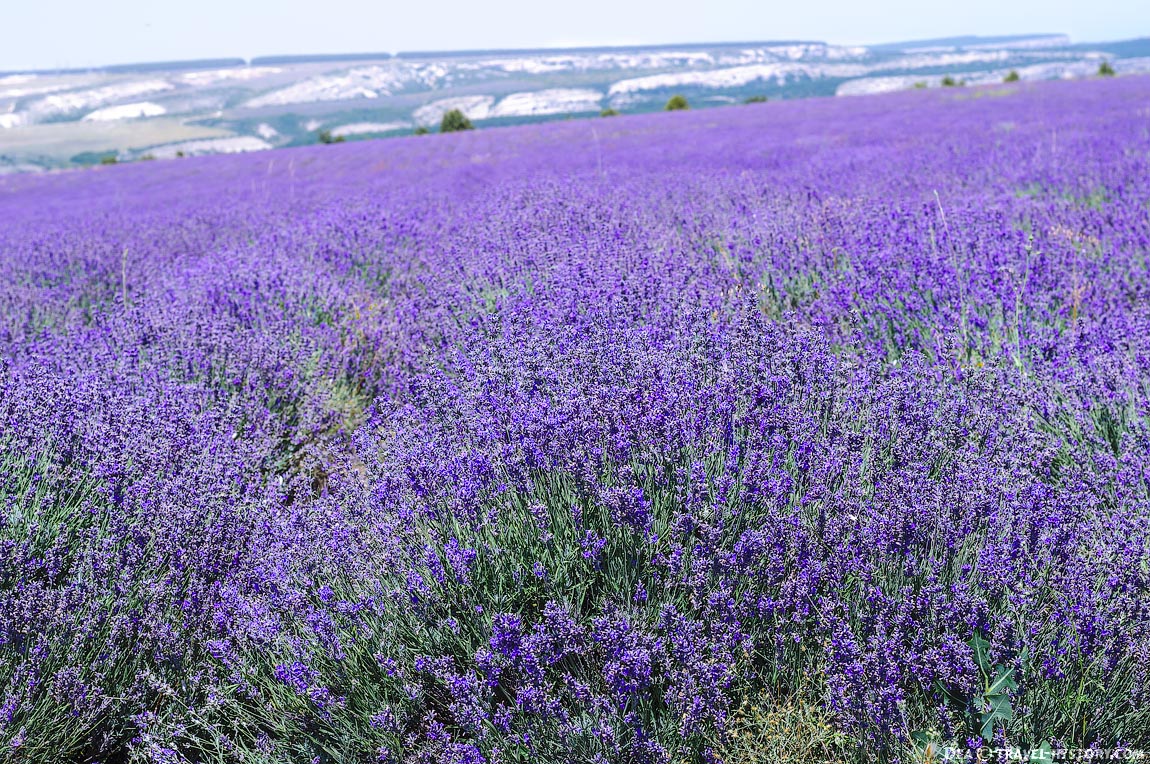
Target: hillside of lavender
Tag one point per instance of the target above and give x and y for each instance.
(587, 441)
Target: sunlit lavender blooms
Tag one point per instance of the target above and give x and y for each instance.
(560, 442)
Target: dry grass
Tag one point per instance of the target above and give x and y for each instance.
(794, 730)
(61, 140)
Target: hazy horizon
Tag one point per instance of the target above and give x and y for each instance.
(134, 31)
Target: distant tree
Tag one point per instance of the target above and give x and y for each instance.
(1106, 70)
(147, 157)
(109, 159)
(421, 130)
(180, 154)
(920, 85)
(454, 121)
(325, 136)
(950, 82)
(1011, 76)
(608, 113)
(756, 99)
(677, 103)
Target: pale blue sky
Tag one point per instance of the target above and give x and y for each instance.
(78, 33)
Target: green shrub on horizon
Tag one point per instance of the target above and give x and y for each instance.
(1012, 76)
(609, 113)
(756, 99)
(677, 103)
(1106, 70)
(454, 121)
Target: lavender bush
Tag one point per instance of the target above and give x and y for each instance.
(562, 443)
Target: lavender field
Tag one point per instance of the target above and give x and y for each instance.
(815, 429)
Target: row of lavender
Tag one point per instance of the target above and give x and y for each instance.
(561, 442)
